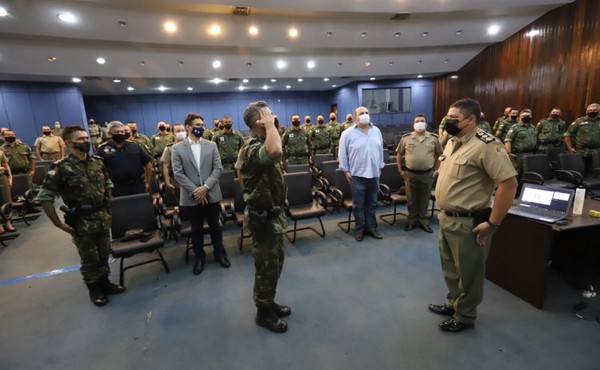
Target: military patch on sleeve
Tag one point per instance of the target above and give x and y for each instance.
(485, 137)
(501, 150)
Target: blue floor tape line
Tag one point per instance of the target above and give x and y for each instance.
(44, 274)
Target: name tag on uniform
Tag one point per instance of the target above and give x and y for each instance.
(317, 131)
(221, 138)
(291, 135)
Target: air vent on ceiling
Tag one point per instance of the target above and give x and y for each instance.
(241, 10)
(400, 17)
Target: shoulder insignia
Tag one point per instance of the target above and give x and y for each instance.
(171, 144)
(434, 134)
(485, 137)
(407, 134)
(97, 157)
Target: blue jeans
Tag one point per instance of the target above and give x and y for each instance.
(364, 201)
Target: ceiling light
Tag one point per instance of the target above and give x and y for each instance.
(248, 64)
(397, 34)
(216, 81)
(454, 77)
(293, 33)
(122, 23)
(189, 88)
(425, 34)
(3, 12)
(76, 79)
(170, 27)
(241, 88)
(52, 59)
(363, 35)
(533, 33)
(329, 33)
(419, 76)
(326, 79)
(161, 88)
(494, 29)
(281, 64)
(245, 80)
(265, 87)
(216, 64)
(253, 30)
(459, 32)
(100, 60)
(419, 61)
(446, 60)
(215, 30)
(372, 78)
(288, 86)
(129, 88)
(116, 80)
(310, 64)
(333, 85)
(300, 80)
(367, 64)
(273, 80)
(66, 17)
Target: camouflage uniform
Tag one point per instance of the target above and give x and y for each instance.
(319, 140)
(83, 183)
(20, 157)
(229, 145)
(160, 142)
(585, 136)
(549, 133)
(503, 129)
(4, 184)
(144, 142)
(264, 190)
(95, 135)
(523, 138)
(498, 123)
(335, 131)
(346, 125)
(485, 126)
(296, 146)
(308, 127)
(208, 135)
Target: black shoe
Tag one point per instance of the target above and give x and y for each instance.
(223, 261)
(374, 234)
(198, 266)
(426, 228)
(266, 318)
(110, 288)
(453, 325)
(441, 309)
(281, 311)
(96, 295)
(359, 237)
(409, 227)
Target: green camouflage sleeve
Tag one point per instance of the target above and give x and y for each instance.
(50, 186)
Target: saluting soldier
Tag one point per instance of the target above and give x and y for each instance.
(265, 193)
(82, 182)
(473, 164)
(48, 146)
(521, 139)
(417, 160)
(296, 144)
(550, 131)
(585, 131)
(319, 137)
(229, 142)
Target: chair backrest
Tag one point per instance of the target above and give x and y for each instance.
(298, 168)
(391, 177)
(571, 161)
(238, 200)
(226, 184)
(554, 151)
(342, 184)
(39, 175)
(320, 158)
(45, 163)
(170, 196)
(299, 186)
(538, 163)
(328, 171)
(20, 185)
(132, 212)
(596, 159)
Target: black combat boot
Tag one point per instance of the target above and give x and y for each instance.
(110, 288)
(96, 295)
(281, 311)
(266, 317)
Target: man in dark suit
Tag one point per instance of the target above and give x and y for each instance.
(196, 167)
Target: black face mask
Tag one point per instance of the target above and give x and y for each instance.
(162, 128)
(452, 127)
(307, 120)
(554, 116)
(593, 114)
(10, 139)
(47, 133)
(133, 132)
(514, 117)
(168, 129)
(332, 119)
(320, 121)
(296, 122)
(227, 126)
(127, 135)
(350, 119)
(526, 119)
(84, 147)
(119, 138)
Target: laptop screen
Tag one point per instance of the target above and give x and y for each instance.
(551, 199)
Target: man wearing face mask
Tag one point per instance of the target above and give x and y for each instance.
(347, 124)
(57, 130)
(20, 157)
(500, 119)
(505, 125)
(165, 160)
(197, 167)
(83, 184)
(48, 146)
(229, 142)
(334, 128)
(161, 139)
(473, 164)
(550, 131)
(417, 160)
(129, 166)
(138, 137)
(361, 159)
(521, 139)
(308, 126)
(585, 131)
(319, 137)
(217, 127)
(296, 144)
(484, 125)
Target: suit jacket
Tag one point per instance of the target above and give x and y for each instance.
(187, 175)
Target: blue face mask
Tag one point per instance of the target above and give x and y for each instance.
(197, 131)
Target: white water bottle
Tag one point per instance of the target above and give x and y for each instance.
(578, 202)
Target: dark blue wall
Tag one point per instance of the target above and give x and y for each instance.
(26, 107)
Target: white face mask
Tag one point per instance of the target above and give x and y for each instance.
(420, 126)
(364, 119)
(180, 136)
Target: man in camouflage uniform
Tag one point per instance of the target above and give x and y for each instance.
(550, 131)
(265, 193)
(20, 156)
(141, 139)
(521, 139)
(585, 131)
(505, 125)
(217, 127)
(95, 134)
(161, 139)
(484, 125)
(500, 119)
(229, 142)
(48, 146)
(83, 184)
(308, 126)
(296, 144)
(335, 131)
(319, 137)
(346, 125)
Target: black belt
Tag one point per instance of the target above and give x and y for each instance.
(49, 152)
(459, 214)
(419, 171)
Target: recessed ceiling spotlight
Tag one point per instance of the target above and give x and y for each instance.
(181, 63)
(116, 80)
(293, 33)
(265, 87)
(533, 33)
(493, 29)
(216, 64)
(310, 64)
(129, 88)
(3, 12)
(273, 80)
(454, 77)
(372, 78)
(142, 62)
(329, 33)
(300, 80)
(248, 64)
(122, 23)
(363, 35)
(325, 79)
(425, 34)
(170, 26)
(100, 60)
(288, 86)
(419, 76)
(459, 32)
(419, 61)
(367, 64)
(339, 64)
(76, 79)
(253, 30)
(245, 80)
(397, 34)
(216, 81)
(281, 64)
(446, 60)
(215, 30)
(189, 88)
(66, 17)
(162, 88)
(241, 88)
(333, 85)
(52, 58)
(390, 63)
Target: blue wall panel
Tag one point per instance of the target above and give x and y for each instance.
(20, 116)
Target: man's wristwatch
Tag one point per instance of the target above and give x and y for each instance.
(493, 225)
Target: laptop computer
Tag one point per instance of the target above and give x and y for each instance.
(543, 203)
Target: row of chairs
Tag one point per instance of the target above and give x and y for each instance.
(567, 172)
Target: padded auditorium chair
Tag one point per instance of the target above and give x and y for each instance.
(292, 168)
(343, 196)
(301, 204)
(573, 170)
(390, 186)
(318, 160)
(239, 206)
(226, 183)
(132, 212)
(537, 169)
